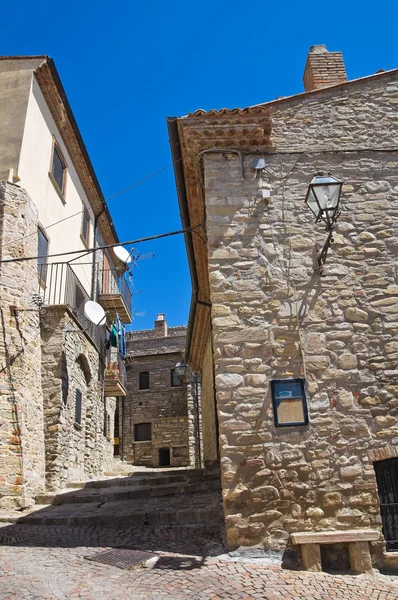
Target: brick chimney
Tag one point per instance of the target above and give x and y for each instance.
(160, 326)
(323, 68)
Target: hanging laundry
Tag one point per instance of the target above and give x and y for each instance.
(113, 336)
(107, 342)
(122, 336)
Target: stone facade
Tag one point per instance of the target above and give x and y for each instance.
(274, 316)
(70, 362)
(22, 465)
(46, 357)
(170, 409)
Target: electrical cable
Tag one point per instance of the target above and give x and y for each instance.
(105, 247)
(106, 200)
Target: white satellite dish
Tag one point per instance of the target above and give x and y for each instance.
(94, 312)
(122, 254)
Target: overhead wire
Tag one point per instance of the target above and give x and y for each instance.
(130, 187)
(106, 246)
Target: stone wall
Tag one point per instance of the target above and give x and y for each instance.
(21, 400)
(171, 410)
(208, 409)
(70, 361)
(274, 317)
(164, 406)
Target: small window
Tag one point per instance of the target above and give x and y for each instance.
(143, 432)
(144, 380)
(175, 380)
(85, 226)
(78, 407)
(289, 402)
(58, 169)
(42, 251)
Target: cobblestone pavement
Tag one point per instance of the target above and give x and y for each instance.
(49, 563)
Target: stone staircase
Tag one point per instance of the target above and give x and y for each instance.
(155, 499)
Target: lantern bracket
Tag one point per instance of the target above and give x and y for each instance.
(321, 255)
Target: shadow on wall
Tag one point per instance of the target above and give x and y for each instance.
(6, 368)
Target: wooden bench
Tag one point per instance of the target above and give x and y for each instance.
(358, 547)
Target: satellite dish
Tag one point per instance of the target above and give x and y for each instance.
(94, 312)
(122, 254)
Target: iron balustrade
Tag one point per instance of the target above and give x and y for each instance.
(59, 285)
(111, 282)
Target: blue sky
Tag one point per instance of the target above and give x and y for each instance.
(127, 65)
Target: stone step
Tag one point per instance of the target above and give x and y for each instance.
(154, 479)
(127, 492)
(154, 512)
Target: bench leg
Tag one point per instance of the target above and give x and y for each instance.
(360, 560)
(311, 556)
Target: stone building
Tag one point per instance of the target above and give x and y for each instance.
(159, 419)
(261, 313)
(57, 403)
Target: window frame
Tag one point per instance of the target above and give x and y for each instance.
(172, 374)
(140, 388)
(78, 413)
(275, 406)
(85, 238)
(136, 425)
(61, 191)
(42, 282)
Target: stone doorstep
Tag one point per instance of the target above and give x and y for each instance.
(390, 560)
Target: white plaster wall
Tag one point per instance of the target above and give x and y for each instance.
(34, 165)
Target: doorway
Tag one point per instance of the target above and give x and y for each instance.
(164, 457)
(387, 484)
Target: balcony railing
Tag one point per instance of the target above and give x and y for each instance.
(115, 380)
(59, 285)
(114, 294)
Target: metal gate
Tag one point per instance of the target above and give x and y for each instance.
(387, 483)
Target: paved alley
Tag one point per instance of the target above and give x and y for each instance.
(50, 563)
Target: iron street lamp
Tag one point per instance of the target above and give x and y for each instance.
(180, 370)
(323, 198)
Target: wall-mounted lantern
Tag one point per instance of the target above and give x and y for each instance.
(323, 198)
(180, 370)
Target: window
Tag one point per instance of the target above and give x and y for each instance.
(175, 380)
(144, 380)
(58, 169)
(289, 403)
(42, 251)
(85, 233)
(143, 432)
(78, 407)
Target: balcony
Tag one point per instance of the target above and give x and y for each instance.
(115, 379)
(59, 285)
(115, 295)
